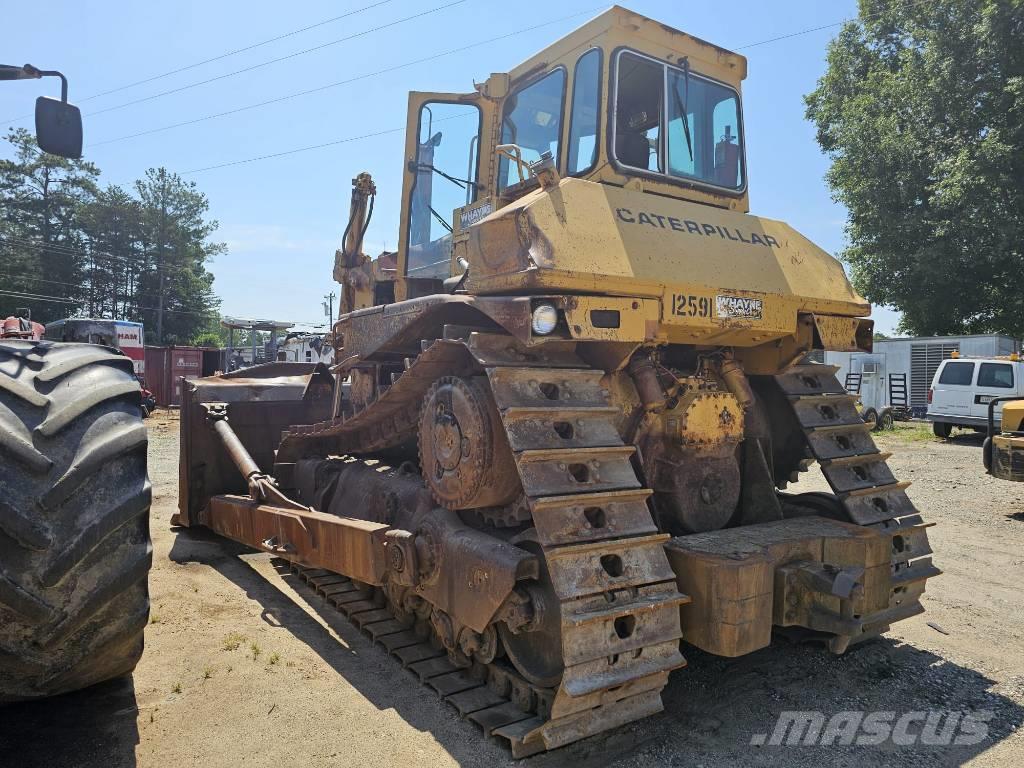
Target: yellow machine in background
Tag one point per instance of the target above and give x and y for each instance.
(1003, 453)
(562, 414)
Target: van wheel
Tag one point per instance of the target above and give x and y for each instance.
(986, 454)
(942, 429)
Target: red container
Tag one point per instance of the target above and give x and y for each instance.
(187, 363)
(165, 367)
(156, 374)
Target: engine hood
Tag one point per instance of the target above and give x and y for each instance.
(586, 237)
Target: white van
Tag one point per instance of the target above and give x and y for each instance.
(962, 388)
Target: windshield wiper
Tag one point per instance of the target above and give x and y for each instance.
(681, 105)
(460, 183)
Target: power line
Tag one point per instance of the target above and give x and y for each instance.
(338, 83)
(346, 140)
(386, 131)
(59, 300)
(809, 30)
(278, 59)
(101, 255)
(224, 55)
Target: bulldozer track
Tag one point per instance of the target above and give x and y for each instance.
(618, 602)
(493, 696)
(857, 472)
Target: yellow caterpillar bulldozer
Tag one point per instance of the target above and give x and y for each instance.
(563, 414)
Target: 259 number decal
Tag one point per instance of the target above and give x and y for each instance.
(688, 305)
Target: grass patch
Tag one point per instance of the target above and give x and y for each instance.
(207, 673)
(255, 650)
(908, 432)
(176, 688)
(154, 618)
(274, 658)
(233, 641)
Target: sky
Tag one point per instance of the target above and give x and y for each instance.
(282, 217)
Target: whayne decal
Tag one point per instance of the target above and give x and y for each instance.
(691, 227)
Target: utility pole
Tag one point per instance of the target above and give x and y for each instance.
(329, 310)
(160, 258)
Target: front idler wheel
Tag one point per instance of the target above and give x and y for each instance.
(464, 453)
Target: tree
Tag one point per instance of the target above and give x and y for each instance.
(68, 248)
(41, 242)
(921, 111)
(177, 292)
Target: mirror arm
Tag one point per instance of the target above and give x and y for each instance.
(37, 73)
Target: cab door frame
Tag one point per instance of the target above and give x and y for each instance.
(489, 108)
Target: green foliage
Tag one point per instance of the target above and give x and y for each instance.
(81, 250)
(206, 339)
(921, 111)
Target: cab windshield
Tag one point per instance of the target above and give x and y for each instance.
(672, 122)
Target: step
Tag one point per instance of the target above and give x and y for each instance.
(810, 380)
(592, 516)
(532, 736)
(825, 410)
(538, 387)
(537, 428)
(840, 441)
(557, 472)
(646, 622)
(874, 505)
(919, 571)
(579, 570)
(854, 473)
(602, 674)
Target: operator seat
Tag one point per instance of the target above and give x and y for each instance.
(632, 148)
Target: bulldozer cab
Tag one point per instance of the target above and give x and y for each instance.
(623, 100)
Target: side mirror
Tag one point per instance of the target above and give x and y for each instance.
(58, 128)
(58, 124)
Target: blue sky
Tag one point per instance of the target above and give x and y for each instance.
(282, 218)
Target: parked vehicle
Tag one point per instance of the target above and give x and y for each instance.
(962, 388)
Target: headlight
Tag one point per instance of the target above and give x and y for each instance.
(545, 318)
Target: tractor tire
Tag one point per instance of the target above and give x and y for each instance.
(74, 518)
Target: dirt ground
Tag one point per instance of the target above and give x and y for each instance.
(244, 667)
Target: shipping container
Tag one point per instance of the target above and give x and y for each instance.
(166, 366)
(186, 363)
(156, 374)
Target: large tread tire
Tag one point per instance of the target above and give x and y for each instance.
(74, 518)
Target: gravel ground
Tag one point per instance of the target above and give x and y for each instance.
(244, 667)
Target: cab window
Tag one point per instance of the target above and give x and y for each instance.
(586, 102)
(957, 374)
(446, 168)
(532, 120)
(700, 119)
(995, 375)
